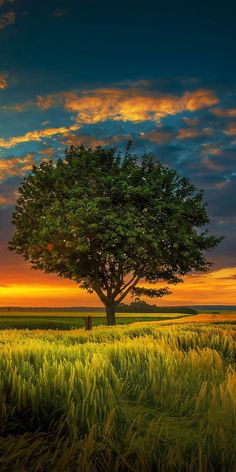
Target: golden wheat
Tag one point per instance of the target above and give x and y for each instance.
(139, 397)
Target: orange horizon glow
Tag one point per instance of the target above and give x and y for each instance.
(39, 290)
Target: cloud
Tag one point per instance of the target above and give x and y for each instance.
(211, 149)
(9, 193)
(7, 19)
(133, 105)
(16, 166)
(224, 112)
(58, 12)
(49, 101)
(127, 104)
(6, 1)
(190, 133)
(36, 135)
(191, 121)
(89, 140)
(213, 166)
(48, 152)
(161, 136)
(231, 129)
(10, 200)
(3, 82)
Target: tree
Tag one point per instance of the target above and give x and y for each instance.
(108, 222)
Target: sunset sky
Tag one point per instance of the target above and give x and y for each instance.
(161, 73)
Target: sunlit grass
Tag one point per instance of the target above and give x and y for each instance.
(136, 397)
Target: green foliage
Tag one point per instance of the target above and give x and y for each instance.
(107, 223)
(143, 307)
(132, 398)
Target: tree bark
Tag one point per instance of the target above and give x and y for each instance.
(110, 312)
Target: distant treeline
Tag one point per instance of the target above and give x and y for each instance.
(135, 307)
(143, 307)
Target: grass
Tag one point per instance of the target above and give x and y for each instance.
(72, 320)
(137, 398)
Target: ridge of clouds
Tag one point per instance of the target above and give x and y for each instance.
(127, 105)
(35, 135)
(130, 104)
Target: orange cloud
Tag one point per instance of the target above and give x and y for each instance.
(130, 104)
(15, 166)
(76, 140)
(9, 200)
(3, 82)
(191, 121)
(133, 105)
(224, 112)
(221, 185)
(231, 129)
(49, 101)
(36, 135)
(47, 152)
(210, 149)
(210, 165)
(159, 136)
(190, 133)
(7, 19)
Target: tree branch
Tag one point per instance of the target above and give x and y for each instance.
(123, 295)
(119, 289)
(97, 288)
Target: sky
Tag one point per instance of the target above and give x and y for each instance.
(159, 73)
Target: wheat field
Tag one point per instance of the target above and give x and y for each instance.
(143, 398)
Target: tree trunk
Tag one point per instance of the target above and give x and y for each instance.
(110, 312)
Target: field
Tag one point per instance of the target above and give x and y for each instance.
(72, 320)
(142, 398)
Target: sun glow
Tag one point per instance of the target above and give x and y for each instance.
(217, 287)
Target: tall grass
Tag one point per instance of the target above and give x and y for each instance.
(130, 398)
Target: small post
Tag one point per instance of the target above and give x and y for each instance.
(88, 323)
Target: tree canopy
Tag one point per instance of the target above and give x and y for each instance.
(110, 222)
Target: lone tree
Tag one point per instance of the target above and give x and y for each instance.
(108, 222)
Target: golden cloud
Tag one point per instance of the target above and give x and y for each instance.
(133, 105)
(130, 104)
(36, 135)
